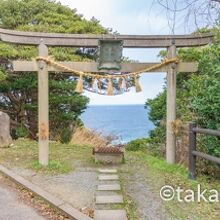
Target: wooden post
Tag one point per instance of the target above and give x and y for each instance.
(43, 107)
(192, 147)
(171, 107)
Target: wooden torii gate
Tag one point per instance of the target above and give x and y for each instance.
(42, 40)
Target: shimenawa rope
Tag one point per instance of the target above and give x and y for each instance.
(81, 74)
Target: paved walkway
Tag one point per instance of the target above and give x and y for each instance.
(77, 187)
(12, 209)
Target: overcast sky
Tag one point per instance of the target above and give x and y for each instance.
(129, 17)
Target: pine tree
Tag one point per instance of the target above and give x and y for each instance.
(18, 92)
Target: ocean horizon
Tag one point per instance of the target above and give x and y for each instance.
(126, 122)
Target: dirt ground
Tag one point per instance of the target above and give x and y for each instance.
(138, 187)
(77, 187)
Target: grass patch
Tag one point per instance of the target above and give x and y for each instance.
(53, 167)
(63, 157)
(128, 204)
(158, 173)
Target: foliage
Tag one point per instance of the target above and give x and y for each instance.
(157, 108)
(197, 96)
(158, 134)
(136, 145)
(2, 75)
(20, 131)
(65, 135)
(19, 92)
(157, 115)
(44, 16)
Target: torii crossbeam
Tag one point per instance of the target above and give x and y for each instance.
(42, 40)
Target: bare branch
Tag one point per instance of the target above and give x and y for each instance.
(201, 13)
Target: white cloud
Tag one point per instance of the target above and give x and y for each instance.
(90, 8)
(111, 15)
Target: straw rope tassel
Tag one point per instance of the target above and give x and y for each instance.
(95, 85)
(79, 86)
(137, 84)
(110, 87)
(99, 84)
(120, 81)
(122, 84)
(125, 80)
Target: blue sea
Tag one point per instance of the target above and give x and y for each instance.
(127, 122)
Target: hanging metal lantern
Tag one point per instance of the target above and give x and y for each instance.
(110, 54)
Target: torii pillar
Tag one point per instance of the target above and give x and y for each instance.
(171, 106)
(43, 107)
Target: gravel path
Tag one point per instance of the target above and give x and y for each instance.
(13, 209)
(138, 187)
(148, 205)
(77, 187)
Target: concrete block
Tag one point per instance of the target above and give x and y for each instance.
(109, 199)
(110, 215)
(108, 171)
(109, 187)
(108, 177)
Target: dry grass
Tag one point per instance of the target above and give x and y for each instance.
(84, 136)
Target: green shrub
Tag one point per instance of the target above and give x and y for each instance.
(2, 75)
(65, 135)
(21, 131)
(158, 135)
(138, 144)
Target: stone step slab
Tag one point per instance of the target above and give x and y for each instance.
(110, 215)
(109, 187)
(108, 171)
(108, 177)
(109, 199)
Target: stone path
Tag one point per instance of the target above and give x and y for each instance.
(109, 199)
(108, 177)
(108, 193)
(109, 187)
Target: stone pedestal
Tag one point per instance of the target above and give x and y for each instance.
(5, 137)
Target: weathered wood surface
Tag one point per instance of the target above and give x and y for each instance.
(89, 40)
(171, 107)
(192, 147)
(206, 156)
(193, 153)
(31, 66)
(43, 107)
(207, 131)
